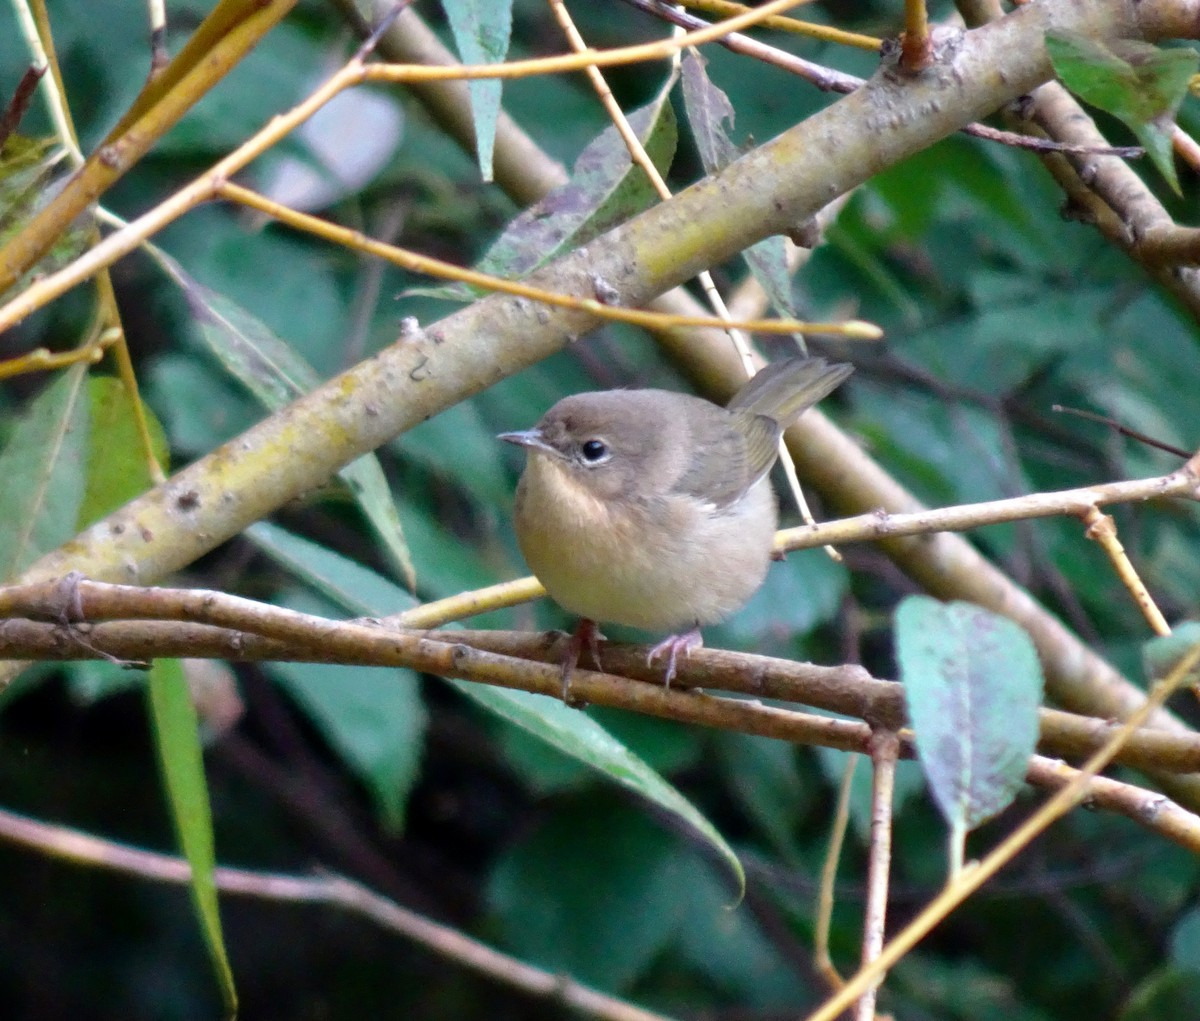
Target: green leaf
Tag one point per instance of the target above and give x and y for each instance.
(708, 108)
(276, 375)
(569, 731)
(606, 188)
(355, 589)
(593, 875)
(177, 737)
(1166, 993)
(31, 170)
(581, 737)
(730, 948)
(1140, 84)
(117, 469)
(481, 31)
(973, 686)
(43, 471)
(1185, 942)
(764, 776)
(372, 716)
(25, 166)
(458, 443)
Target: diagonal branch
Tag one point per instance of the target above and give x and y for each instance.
(768, 191)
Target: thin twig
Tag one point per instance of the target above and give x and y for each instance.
(885, 750)
(827, 890)
(916, 49)
(1103, 529)
(976, 875)
(826, 33)
(22, 97)
(1124, 430)
(79, 848)
(1182, 483)
(830, 80)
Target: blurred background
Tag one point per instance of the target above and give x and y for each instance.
(995, 308)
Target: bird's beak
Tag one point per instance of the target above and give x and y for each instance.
(531, 439)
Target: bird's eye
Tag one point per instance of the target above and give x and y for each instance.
(594, 451)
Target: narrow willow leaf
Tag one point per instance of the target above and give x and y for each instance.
(373, 717)
(606, 188)
(708, 109)
(177, 736)
(276, 374)
(571, 732)
(973, 686)
(357, 590)
(481, 31)
(117, 469)
(575, 734)
(31, 173)
(1140, 84)
(43, 471)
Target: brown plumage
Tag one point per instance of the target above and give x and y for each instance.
(653, 509)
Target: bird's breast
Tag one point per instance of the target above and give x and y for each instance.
(661, 562)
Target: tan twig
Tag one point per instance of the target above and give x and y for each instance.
(600, 307)
(885, 750)
(916, 49)
(1183, 483)
(468, 604)
(159, 57)
(826, 33)
(41, 359)
(1103, 529)
(1186, 148)
(822, 960)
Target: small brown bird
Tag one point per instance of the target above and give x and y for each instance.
(653, 509)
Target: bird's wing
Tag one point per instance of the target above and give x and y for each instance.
(727, 455)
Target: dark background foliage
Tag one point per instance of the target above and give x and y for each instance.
(994, 307)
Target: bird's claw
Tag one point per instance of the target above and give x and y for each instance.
(673, 647)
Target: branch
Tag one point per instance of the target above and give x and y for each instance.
(767, 191)
(134, 624)
(80, 848)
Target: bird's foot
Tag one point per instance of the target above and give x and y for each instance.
(586, 635)
(673, 647)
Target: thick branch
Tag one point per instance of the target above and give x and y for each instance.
(137, 624)
(770, 190)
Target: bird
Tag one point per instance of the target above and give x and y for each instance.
(653, 509)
